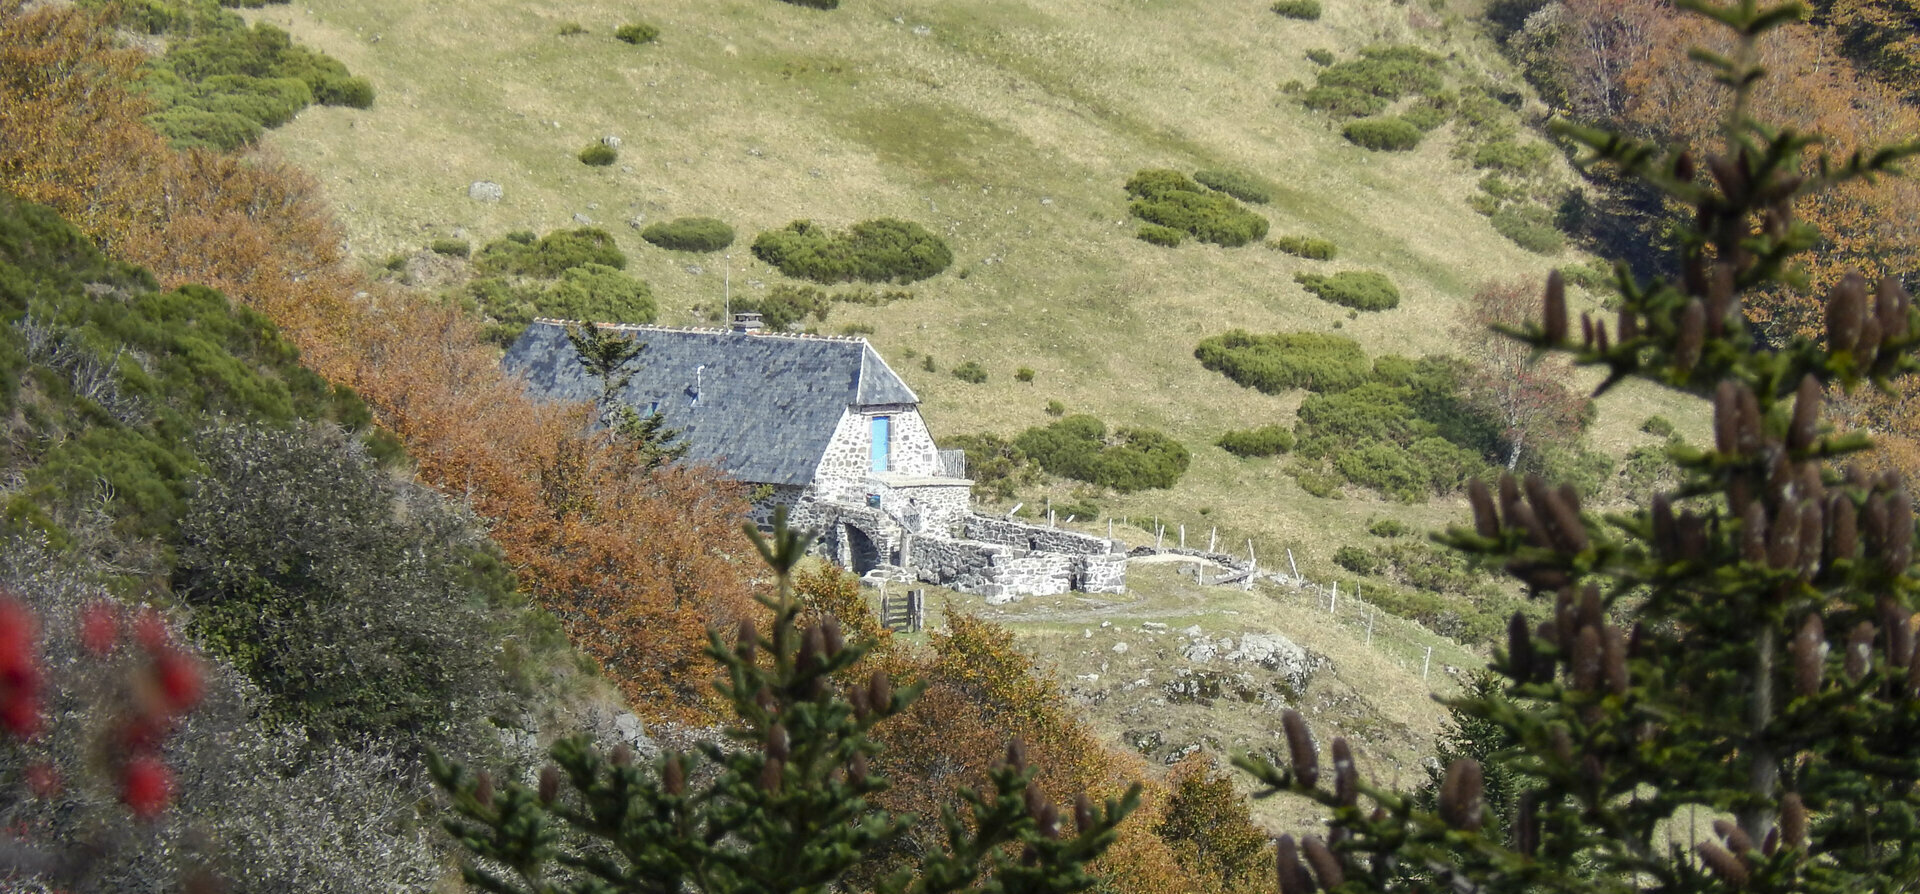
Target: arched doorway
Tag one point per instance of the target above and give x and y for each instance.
(862, 555)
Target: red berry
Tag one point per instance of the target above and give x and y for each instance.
(179, 678)
(146, 785)
(99, 628)
(151, 631)
(20, 713)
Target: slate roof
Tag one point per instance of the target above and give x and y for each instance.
(760, 406)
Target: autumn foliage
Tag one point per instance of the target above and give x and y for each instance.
(630, 559)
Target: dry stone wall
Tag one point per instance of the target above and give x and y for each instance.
(1036, 537)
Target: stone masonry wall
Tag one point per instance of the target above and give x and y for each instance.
(938, 508)
(1039, 574)
(842, 473)
(965, 565)
(1026, 536)
(1103, 574)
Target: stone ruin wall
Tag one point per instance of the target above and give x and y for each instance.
(1036, 537)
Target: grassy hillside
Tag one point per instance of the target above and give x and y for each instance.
(1007, 127)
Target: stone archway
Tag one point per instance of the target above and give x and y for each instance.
(862, 554)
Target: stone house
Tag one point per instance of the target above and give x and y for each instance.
(828, 430)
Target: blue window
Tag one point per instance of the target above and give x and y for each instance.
(880, 453)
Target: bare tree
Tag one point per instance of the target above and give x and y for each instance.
(1526, 396)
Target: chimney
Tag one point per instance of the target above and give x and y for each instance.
(746, 322)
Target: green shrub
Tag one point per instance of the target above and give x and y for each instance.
(1267, 440)
(599, 154)
(590, 291)
(1283, 361)
(815, 4)
(784, 306)
(1157, 183)
(517, 254)
(1387, 468)
(1388, 72)
(187, 127)
(703, 234)
(223, 73)
(1317, 483)
(1343, 102)
(1305, 247)
(970, 372)
(1320, 56)
(1513, 157)
(1356, 560)
(995, 465)
(1305, 10)
(1056, 408)
(1531, 227)
(332, 586)
(1077, 447)
(857, 329)
(1159, 235)
(1658, 425)
(1426, 115)
(453, 248)
(1382, 134)
(872, 297)
(353, 93)
(569, 29)
(1358, 289)
(1241, 186)
(927, 364)
(636, 33)
(1373, 413)
(1592, 276)
(1389, 528)
(1170, 199)
(878, 250)
(1023, 374)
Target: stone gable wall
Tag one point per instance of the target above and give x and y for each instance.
(842, 473)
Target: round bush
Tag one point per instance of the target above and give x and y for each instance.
(971, 372)
(1356, 560)
(598, 154)
(1531, 227)
(636, 33)
(1382, 134)
(1208, 217)
(1283, 361)
(1236, 184)
(690, 234)
(354, 93)
(1305, 10)
(519, 254)
(1320, 56)
(453, 248)
(1658, 425)
(1305, 247)
(1389, 527)
(1076, 447)
(1358, 289)
(1160, 235)
(1343, 102)
(879, 250)
(1267, 440)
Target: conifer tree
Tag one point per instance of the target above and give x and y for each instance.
(782, 807)
(1743, 645)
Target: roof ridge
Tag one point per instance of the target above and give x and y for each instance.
(758, 333)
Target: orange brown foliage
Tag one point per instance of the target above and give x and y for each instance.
(981, 691)
(1873, 228)
(70, 134)
(635, 564)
